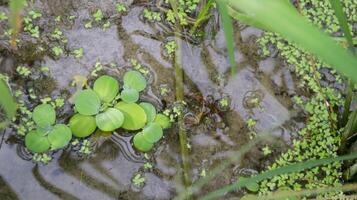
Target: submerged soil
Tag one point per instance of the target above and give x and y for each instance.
(261, 90)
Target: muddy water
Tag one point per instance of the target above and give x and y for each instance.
(261, 90)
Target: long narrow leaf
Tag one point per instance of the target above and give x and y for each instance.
(342, 20)
(15, 19)
(228, 33)
(276, 172)
(7, 103)
(283, 18)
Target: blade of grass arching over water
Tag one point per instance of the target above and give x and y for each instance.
(281, 17)
(228, 34)
(276, 172)
(349, 131)
(7, 103)
(342, 20)
(232, 158)
(179, 88)
(245, 19)
(15, 20)
(305, 193)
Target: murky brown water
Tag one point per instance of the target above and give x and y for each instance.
(261, 90)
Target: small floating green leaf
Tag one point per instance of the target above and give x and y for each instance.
(141, 143)
(153, 132)
(60, 136)
(129, 95)
(134, 116)
(150, 111)
(87, 102)
(110, 120)
(36, 143)
(82, 125)
(135, 80)
(106, 87)
(44, 115)
(163, 120)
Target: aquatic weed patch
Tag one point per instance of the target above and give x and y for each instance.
(321, 136)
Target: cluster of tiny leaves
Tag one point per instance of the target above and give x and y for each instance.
(320, 138)
(185, 9)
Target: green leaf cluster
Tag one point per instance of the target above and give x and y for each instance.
(47, 135)
(109, 107)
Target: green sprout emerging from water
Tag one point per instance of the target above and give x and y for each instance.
(28, 23)
(57, 34)
(88, 25)
(138, 180)
(106, 25)
(85, 147)
(120, 8)
(137, 66)
(57, 51)
(23, 71)
(42, 157)
(98, 15)
(3, 16)
(251, 123)
(266, 150)
(151, 15)
(78, 53)
(170, 48)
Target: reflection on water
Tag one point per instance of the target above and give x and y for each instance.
(260, 90)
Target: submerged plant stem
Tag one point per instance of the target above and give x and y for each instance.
(180, 98)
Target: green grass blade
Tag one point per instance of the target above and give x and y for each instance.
(301, 193)
(245, 19)
(234, 157)
(202, 16)
(342, 20)
(15, 19)
(228, 33)
(7, 103)
(291, 25)
(276, 172)
(350, 129)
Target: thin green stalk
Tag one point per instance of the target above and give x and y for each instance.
(297, 167)
(228, 33)
(180, 98)
(342, 20)
(15, 19)
(347, 104)
(202, 16)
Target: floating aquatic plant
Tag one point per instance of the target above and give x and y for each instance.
(108, 108)
(47, 135)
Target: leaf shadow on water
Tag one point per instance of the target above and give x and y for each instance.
(73, 168)
(6, 192)
(51, 188)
